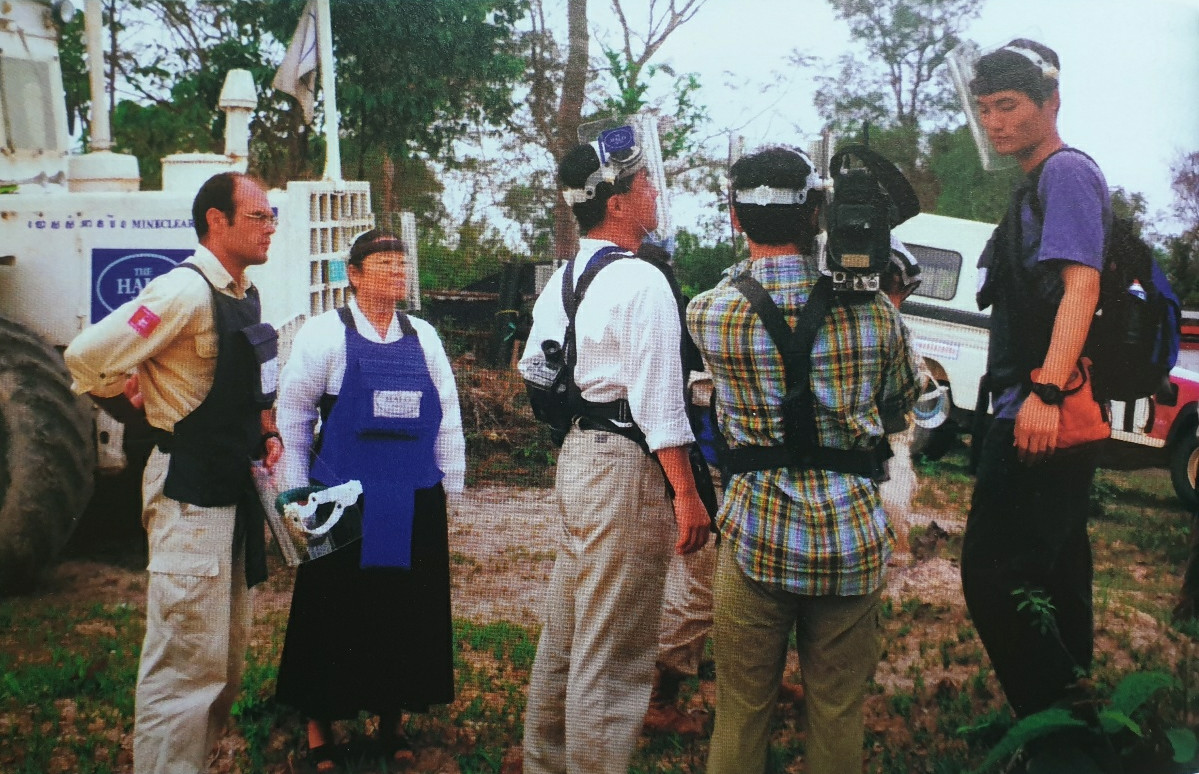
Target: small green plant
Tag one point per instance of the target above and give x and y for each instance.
(946, 649)
(254, 711)
(1038, 605)
(1125, 720)
(901, 704)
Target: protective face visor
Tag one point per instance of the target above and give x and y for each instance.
(933, 406)
(963, 70)
(625, 146)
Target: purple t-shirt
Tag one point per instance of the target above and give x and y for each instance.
(1077, 215)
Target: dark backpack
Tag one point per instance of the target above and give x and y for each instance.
(1135, 334)
(1134, 337)
(556, 399)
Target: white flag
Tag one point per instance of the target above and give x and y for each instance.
(297, 74)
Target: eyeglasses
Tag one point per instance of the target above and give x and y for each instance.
(262, 218)
(388, 263)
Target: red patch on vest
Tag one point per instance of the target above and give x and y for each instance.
(144, 322)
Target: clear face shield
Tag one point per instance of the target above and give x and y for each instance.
(312, 521)
(409, 237)
(961, 62)
(963, 69)
(626, 146)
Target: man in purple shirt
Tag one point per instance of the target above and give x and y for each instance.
(1026, 557)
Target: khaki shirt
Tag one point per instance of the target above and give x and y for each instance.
(167, 335)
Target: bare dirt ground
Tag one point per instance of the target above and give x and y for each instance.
(502, 550)
(501, 543)
(502, 547)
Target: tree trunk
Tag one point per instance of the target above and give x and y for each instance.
(570, 113)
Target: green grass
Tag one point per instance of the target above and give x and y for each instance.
(66, 686)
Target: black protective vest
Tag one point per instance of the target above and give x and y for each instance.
(211, 448)
(1023, 293)
(603, 416)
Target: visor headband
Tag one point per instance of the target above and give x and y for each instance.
(764, 195)
(1047, 69)
(620, 155)
(385, 245)
(609, 174)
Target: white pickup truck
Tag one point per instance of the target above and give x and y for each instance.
(952, 334)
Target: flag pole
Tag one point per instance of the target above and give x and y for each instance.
(324, 32)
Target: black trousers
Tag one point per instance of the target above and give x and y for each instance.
(1027, 534)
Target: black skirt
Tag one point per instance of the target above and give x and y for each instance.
(378, 640)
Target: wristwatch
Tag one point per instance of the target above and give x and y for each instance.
(1050, 394)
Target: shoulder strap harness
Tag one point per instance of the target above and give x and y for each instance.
(347, 319)
(607, 414)
(800, 450)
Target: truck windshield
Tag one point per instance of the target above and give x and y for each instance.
(26, 106)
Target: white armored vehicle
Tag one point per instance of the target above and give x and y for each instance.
(78, 238)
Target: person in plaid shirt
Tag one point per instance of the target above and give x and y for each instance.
(802, 549)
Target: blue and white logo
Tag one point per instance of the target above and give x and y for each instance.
(119, 274)
(613, 141)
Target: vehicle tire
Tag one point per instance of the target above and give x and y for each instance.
(47, 456)
(937, 442)
(1184, 468)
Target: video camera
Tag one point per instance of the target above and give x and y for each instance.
(864, 201)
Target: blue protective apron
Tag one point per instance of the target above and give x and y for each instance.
(381, 431)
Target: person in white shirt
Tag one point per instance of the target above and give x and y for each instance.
(370, 626)
(624, 453)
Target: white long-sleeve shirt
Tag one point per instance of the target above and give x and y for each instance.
(316, 367)
(627, 333)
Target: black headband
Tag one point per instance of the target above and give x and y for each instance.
(382, 245)
(1013, 69)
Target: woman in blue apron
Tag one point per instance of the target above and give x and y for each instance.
(370, 627)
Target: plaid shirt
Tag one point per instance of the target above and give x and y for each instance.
(811, 532)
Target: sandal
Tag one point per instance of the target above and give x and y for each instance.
(397, 748)
(326, 758)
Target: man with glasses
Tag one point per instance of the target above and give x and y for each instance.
(183, 353)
